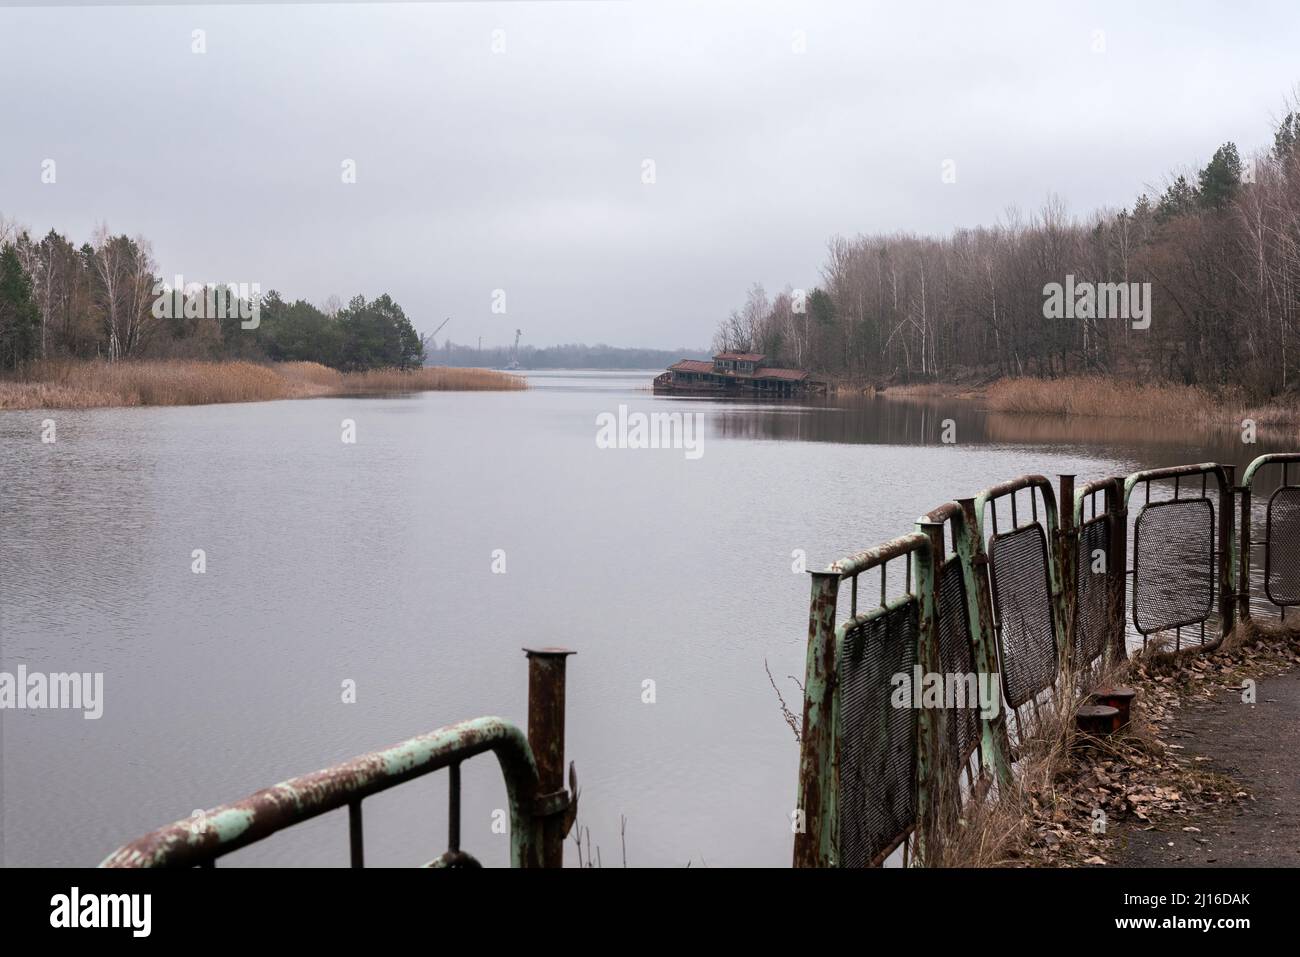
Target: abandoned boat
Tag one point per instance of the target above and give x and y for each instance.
(741, 374)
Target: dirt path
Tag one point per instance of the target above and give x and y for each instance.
(1258, 747)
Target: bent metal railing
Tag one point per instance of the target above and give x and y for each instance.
(1025, 577)
(1187, 537)
(978, 743)
(541, 809)
(880, 775)
(1280, 574)
(1100, 529)
(1039, 605)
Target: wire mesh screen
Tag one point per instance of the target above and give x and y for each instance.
(877, 795)
(1282, 558)
(1173, 564)
(1022, 602)
(958, 658)
(1091, 613)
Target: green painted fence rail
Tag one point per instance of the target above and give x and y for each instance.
(542, 810)
(1025, 586)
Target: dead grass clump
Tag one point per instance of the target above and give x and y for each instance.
(1253, 632)
(992, 829)
(983, 834)
(306, 374)
(194, 383)
(46, 395)
(1099, 396)
(431, 378)
(931, 390)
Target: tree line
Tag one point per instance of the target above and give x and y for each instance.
(103, 299)
(1220, 249)
(567, 356)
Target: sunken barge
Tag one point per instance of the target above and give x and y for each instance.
(738, 374)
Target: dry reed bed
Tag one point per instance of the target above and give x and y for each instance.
(90, 385)
(1102, 397)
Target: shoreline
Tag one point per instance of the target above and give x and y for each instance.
(96, 384)
(1100, 397)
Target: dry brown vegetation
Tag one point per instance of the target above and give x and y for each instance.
(993, 832)
(1102, 397)
(1135, 778)
(928, 390)
(94, 384)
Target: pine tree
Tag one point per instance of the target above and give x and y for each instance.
(20, 320)
(1179, 198)
(1284, 140)
(1221, 178)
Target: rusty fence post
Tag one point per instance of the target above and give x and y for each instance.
(1067, 536)
(995, 747)
(814, 820)
(1243, 555)
(1227, 547)
(551, 804)
(936, 792)
(1117, 567)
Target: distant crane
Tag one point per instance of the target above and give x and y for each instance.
(514, 351)
(434, 337)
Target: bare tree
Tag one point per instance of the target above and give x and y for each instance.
(124, 269)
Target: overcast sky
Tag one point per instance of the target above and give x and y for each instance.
(522, 170)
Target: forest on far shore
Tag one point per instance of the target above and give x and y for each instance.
(100, 300)
(1220, 248)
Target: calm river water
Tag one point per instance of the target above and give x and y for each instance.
(373, 562)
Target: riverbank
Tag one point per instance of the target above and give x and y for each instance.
(1181, 786)
(94, 384)
(1102, 397)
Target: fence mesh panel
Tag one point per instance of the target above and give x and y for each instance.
(1091, 613)
(1022, 602)
(877, 795)
(1282, 583)
(1173, 564)
(957, 658)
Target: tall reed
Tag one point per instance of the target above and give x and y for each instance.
(96, 384)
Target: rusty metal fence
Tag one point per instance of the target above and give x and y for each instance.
(1098, 598)
(1028, 616)
(1027, 596)
(1182, 550)
(1279, 576)
(846, 702)
(542, 810)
